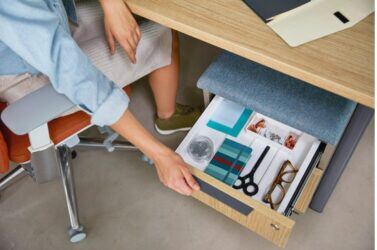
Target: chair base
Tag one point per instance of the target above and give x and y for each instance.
(76, 232)
(64, 155)
(14, 175)
(98, 143)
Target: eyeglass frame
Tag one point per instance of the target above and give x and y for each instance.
(278, 182)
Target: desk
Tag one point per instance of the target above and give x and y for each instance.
(342, 63)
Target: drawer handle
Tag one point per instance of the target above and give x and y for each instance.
(224, 198)
(275, 226)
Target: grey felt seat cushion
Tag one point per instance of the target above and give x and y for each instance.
(279, 96)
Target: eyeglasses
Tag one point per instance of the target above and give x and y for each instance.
(276, 193)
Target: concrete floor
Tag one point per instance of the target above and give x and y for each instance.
(123, 205)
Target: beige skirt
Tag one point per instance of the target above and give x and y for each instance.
(153, 52)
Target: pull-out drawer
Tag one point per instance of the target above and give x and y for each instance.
(252, 210)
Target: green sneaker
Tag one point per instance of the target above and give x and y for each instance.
(183, 119)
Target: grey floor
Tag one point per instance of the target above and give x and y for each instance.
(123, 205)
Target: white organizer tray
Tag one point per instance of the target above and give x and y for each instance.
(301, 155)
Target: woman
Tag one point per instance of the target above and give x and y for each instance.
(62, 43)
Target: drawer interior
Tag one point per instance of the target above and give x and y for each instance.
(303, 153)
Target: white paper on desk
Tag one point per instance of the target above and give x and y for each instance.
(316, 19)
(227, 113)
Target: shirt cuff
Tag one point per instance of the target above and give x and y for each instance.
(112, 109)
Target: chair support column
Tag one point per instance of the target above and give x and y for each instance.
(75, 231)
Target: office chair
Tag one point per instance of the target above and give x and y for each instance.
(41, 146)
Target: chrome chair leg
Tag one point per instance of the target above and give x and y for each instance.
(14, 175)
(76, 231)
(98, 143)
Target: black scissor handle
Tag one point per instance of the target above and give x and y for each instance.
(241, 179)
(246, 182)
(255, 189)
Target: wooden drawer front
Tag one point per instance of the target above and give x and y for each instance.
(306, 195)
(261, 219)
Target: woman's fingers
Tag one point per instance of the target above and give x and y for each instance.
(174, 173)
(190, 179)
(136, 39)
(123, 26)
(181, 186)
(138, 32)
(110, 39)
(177, 182)
(131, 40)
(129, 50)
(129, 43)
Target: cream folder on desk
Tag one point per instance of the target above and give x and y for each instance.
(319, 18)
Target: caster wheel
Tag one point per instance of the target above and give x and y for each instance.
(76, 235)
(110, 149)
(74, 154)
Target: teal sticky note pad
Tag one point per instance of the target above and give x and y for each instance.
(229, 118)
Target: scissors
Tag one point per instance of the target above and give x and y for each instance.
(247, 181)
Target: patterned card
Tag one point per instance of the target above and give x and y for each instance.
(229, 161)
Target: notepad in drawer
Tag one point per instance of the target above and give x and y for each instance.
(229, 118)
(229, 161)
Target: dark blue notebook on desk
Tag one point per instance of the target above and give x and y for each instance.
(266, 9)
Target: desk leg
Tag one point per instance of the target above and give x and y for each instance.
(343, 152)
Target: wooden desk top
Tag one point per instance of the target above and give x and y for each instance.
(342, 63)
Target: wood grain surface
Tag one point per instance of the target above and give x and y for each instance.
(342, 63)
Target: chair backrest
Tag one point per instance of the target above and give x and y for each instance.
(4, 157)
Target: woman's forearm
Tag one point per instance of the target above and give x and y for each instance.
(131, 129)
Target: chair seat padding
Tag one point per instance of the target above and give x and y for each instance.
(279, 96)
(4, 157)
(60, 129)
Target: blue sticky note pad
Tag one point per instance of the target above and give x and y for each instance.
(229, 118)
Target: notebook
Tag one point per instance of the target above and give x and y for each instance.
(229, 161)
(301, 21)
(267, 9)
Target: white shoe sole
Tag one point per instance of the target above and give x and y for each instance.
(169, 132)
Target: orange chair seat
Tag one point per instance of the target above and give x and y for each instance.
(4, 158)
(59, 129)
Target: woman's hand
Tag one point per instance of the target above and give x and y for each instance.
(170, 167)
(121, 26)
(174, 173)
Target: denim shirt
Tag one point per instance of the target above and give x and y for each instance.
(35, 38)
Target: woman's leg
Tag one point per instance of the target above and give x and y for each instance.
(164, 83)
(171, 116)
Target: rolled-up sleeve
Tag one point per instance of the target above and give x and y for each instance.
(38, 33)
